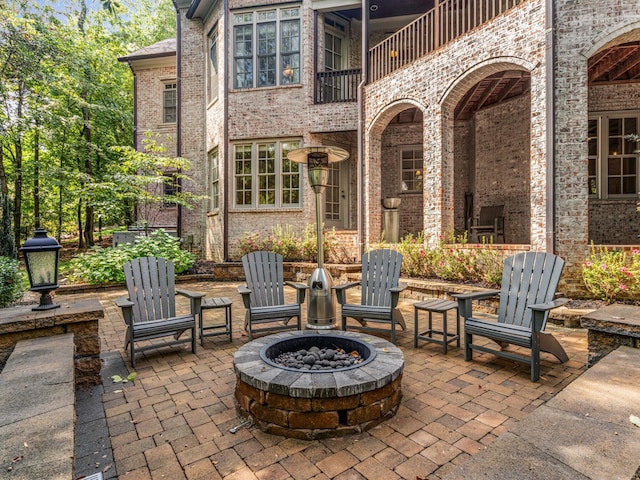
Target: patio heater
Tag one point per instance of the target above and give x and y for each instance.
(320, 309)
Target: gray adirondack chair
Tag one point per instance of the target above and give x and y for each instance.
(529, 282)
(263, 295)
(489, 223)
(150, 309)
(380, 292)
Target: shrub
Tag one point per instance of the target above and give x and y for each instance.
(103, 265)
(450, 259)
(609, 275)
(291, 245)
(11, 281)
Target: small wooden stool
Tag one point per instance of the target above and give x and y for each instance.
(436, 306)
(220, 329)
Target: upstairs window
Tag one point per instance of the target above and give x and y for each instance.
(266, 47)
(169, 102)
(212, 66)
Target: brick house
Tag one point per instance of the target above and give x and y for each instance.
(449, 105)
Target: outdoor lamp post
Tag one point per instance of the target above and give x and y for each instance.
(320, 309)
(41, 256)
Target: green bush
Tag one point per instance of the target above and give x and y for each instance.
(450, 260)
(301, 247)
(11, 281)
(611, 275)
(103, 265)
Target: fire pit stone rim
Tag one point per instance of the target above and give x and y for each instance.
(386, 367)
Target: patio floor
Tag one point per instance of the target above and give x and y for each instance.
(174, 421)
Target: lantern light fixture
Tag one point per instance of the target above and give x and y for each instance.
(41, 255)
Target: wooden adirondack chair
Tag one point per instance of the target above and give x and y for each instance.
(380, 293)
(529, 282)
(150, 310)
(489, 223)
(263, 296)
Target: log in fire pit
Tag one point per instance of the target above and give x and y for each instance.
(311, 404)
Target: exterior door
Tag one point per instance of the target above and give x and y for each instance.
(336, 200)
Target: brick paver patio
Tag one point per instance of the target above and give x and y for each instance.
(174, 421)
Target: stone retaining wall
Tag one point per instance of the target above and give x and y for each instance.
(80, 318)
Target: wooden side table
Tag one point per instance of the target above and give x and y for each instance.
(218, 329)
(442, 307)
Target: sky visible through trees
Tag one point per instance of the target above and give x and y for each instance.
(65, 103)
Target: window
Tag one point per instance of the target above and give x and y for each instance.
(613, 158)
(411, 165)
(214, 194)
(169, 102)
(266, 47)
(263, 175)
(169, 190)
(212, 65)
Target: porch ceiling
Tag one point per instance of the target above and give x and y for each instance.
(491, 90)
(618, 63)
(379, 9)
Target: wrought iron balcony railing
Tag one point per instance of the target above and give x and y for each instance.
(337, 86)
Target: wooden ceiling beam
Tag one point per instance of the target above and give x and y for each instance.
(625, 65)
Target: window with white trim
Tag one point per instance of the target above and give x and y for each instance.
(214, 169)
(266, 47)
(263, 175)
(212, 66)
(411, 168)
(614, 159)
(169, 102)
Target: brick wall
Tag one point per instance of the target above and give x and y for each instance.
(193, 127)
(393, 138)
(586, 28)
(502, 164)
(436, 84)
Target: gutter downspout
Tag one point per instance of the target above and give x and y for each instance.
(550, 147)
(225, 137)
(135, 124)
(178, 108)
(135, 105)
(363, 82)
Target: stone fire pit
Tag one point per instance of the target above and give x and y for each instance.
(318, 404)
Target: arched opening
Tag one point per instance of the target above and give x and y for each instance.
(396, 162)
(487, 148)
(613, 153)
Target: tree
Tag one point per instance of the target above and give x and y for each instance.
(65, 101)
(139, 179)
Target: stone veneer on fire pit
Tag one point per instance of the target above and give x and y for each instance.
(321, 404)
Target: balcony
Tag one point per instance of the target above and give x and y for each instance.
(448, 20)
(337, 86)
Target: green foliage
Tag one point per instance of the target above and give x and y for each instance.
(450, 260)
(611, 275)
(103, 265)
(66, 100)
(129, 378)
(293, 246)
(11, 281)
